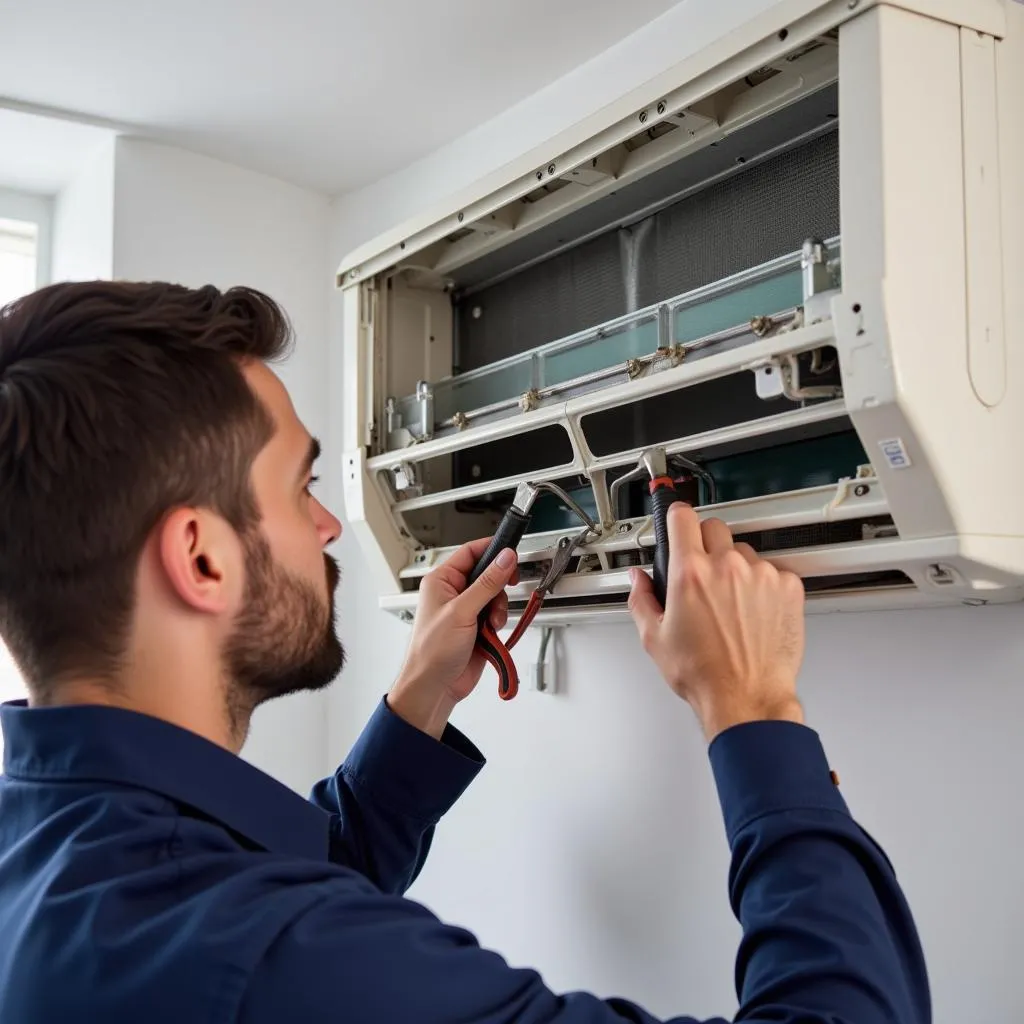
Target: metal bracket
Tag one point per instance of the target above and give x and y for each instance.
(814, 264)
(407, 480)
(529, 400)
(425, 400)
(545, 676)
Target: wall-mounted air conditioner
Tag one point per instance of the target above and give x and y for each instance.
(795, 261)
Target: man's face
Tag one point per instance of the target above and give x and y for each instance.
(284, 637)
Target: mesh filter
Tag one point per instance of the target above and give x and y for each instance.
(748, 219)
(577, 289)
(812, 534)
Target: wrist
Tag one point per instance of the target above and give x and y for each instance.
(718, 718)
(415, 701)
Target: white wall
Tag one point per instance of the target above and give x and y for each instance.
(83, 220)
(612, 858)
(192, 220)
(679, 33)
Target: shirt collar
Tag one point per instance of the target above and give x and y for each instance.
(97, 743)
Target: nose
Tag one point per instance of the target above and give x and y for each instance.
(328, 525)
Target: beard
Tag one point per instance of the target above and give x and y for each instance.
(285, 639)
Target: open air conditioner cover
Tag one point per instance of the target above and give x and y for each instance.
(793, 263)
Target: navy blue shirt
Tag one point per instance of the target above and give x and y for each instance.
(149, 876)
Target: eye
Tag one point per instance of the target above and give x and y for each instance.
(312, 480)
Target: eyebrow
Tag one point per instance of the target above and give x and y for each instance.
(312, 454)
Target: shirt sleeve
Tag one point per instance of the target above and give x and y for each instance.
(827, 935)
(827, 932)
(389, 794)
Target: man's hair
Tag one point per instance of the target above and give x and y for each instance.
(118, 402)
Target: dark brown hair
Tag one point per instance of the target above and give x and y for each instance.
(118, 402)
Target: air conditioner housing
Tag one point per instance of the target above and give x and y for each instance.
(794, 259)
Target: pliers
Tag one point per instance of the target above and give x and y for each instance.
(510, 532)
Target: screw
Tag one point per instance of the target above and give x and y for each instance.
(401, 245)
(540, 175)
(625, 527)
(462, 217)
(643, 116)
(551, 168)
(661, 108)
(861, 489)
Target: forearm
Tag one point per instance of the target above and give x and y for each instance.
(421, 706)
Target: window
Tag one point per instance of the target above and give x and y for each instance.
(11, 685)
(19, 275)
(19, 258)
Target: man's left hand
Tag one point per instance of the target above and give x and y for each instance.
(443, 666)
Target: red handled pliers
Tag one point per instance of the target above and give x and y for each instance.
(510, 532)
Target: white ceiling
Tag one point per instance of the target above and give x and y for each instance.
(329, 94)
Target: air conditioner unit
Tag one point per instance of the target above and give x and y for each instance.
(795, 261)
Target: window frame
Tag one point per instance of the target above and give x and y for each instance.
(33, 209)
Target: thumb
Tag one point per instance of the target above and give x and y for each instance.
(643, 605)
(494, 579)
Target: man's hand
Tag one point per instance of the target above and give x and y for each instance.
(442, 666)
(731, 638)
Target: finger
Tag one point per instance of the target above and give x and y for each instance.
(643, 605)
(717, 536)
(491, 583)
(499, 612)
(464, 560)
(684, 532)
(793, 586)
(748, 553)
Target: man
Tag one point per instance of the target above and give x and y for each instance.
(162, 573)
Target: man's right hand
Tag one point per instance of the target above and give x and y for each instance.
(730, 640)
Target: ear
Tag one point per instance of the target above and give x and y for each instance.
(201, 559)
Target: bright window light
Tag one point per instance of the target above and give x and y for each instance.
(19, 252)
(19, 248)
(11, 685)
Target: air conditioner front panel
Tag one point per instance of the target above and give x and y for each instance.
(783, 273)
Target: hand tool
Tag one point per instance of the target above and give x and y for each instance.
(663, 496)
(510, 532)
(559, 564)
(679, 467)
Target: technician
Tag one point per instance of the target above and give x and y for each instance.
(163, 573)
